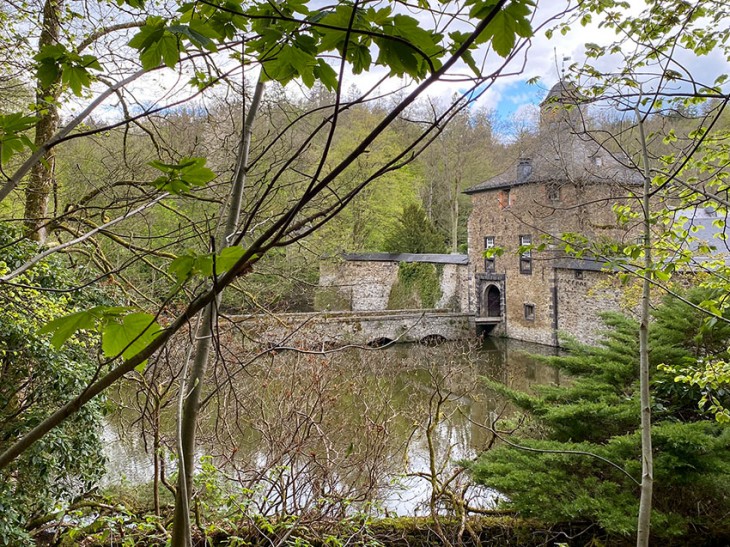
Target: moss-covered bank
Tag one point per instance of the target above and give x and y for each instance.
(497, 531)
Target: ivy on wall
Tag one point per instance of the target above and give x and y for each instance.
(418, 286)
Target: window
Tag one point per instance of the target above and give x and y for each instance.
(526, 256)
(488, 260)
(553, 192)
(529, 312)
(505, 199)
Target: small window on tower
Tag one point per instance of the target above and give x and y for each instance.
(529, 312)
(526, 255)
(489, 260)
(553, 192)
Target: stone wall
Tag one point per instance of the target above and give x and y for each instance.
(583, 296)
(319, 331)
(528, 210)
(356, 286)
(455, 288)
(365, 285)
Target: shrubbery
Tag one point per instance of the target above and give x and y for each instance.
(35, 379)
(598, 413)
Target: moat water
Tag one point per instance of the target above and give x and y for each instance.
(370, 429)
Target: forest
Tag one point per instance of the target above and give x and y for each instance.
(167, 165)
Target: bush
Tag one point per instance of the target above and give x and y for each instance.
(35, 379)
(598, 413)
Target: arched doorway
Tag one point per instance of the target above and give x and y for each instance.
(491, 302)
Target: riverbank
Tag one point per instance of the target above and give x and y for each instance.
(494, 530)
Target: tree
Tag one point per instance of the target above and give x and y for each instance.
(35, 379)
(414, 234)
(462, 155)
(281, 205)
(581, 445)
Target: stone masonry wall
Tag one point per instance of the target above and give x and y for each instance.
(584, 209)
(332, 329)
(365, 285)
(581, 301)
(454, 288)
(361, 286)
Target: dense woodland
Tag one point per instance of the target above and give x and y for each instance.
(165, 164)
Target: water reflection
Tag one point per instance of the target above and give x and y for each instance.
(376, 429)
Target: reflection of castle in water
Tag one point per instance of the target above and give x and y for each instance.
(514, 363)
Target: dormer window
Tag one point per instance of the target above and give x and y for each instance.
(524, 169)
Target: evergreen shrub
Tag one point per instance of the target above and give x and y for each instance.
(598, 413)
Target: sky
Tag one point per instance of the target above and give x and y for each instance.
(514, 96)
(544, 60)
(509, 96)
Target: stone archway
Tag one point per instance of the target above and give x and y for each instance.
(491, 302)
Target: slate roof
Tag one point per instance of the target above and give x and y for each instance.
(561, 93)
(581, 264)
(704, 219)
(408, 257)
(577, 160)
(559, 154)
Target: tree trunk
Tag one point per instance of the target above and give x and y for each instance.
(647, 462)
(455, 218)
(181, 533)
(41, 182)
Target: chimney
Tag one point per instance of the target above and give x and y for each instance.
(524, 169)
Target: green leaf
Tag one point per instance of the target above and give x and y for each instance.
(56, 62)
(156, 44)
(179, 178)
(65, 327)
(187, 265)
(507, 24)
(77, 78)
(182, 267)
(326, 74)
(129, 334)
(227, 258)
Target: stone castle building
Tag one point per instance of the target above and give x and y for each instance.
(563, 183)
(533, 290)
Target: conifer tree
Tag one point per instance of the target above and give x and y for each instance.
(580, 449)
(415, 234)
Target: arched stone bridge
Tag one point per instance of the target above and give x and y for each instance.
(338, 328)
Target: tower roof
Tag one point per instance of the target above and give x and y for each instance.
(562, 92)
